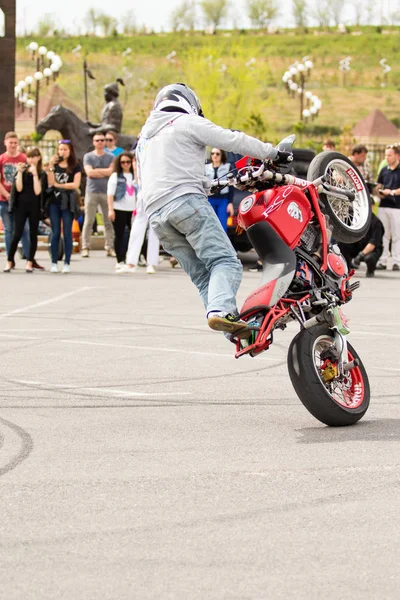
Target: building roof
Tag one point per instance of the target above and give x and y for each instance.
(376, 126)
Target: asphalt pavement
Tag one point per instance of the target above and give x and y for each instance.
(140, 460)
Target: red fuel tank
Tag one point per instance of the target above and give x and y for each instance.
(286, 208)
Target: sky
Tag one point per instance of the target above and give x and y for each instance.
(154, 13)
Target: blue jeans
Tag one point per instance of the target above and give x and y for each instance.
(189, 229)
(8, 224)
(220, 206)
(56, 214)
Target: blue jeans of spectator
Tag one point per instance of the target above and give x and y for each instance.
(189, 229)
(8, 224)
(220, 205)
(56, 215)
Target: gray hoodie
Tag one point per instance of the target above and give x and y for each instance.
(171, 155)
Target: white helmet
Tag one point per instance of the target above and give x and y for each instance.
(178, 97)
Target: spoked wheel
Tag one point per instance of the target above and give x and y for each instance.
(350, 219)
(332, 399)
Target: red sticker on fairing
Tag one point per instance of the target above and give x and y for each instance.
(355, 179)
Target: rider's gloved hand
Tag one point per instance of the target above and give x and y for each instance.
(283, 158)
(357, 260)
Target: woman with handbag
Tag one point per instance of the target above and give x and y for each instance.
(26, 202)
(121, 198)
(64, 177)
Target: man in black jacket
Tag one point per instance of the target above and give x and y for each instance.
(367, 250)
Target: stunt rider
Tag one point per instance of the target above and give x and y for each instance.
(171, 158)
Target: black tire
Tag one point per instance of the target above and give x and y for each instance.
(354, 223)
(314, 392)
(303, 154)
(60, 247)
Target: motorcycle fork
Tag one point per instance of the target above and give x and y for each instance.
(341, 348)
(314, 199)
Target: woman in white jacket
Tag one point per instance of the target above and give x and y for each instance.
(221, 202)
(136, 238)
(121, 198)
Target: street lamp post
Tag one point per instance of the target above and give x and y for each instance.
(39, 54)
(295, 79)
(87, 73)
(38, 77)
(85, 69)
(344, 67)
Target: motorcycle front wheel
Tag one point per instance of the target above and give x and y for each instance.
(335, 401)
(350, 219)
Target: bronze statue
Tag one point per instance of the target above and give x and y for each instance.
(72, 128)
(111, 116)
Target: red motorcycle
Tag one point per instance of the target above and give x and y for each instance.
(290, 223)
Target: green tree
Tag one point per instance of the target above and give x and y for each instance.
(214, 12)
(46, 25)
(107, 24)
(322, 13)
(359, 10)
(262, 12)
(369, 8)
(184, 16)
(300, 10)
(91, 20)
(337, 11)
(128, 23)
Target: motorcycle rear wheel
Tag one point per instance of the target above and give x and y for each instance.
(350, 220)
(336, 403)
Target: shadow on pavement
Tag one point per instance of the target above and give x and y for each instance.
(380, 430)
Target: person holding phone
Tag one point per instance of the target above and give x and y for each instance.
(26, 202)
(64, 177)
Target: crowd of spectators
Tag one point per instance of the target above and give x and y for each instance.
(31, 191)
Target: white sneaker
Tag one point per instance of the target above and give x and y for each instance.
(119, 266)
(66, 268)
(54, 268)
(127, 269)
(85, 253)
(150, 270)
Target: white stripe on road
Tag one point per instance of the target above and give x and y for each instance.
(110, 391)
(45, 302)
(375, 333)
(159, 349)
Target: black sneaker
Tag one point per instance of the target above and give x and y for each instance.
(370, 274)
(380, 267)
(395, 267)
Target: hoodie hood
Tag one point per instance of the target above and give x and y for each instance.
(156, 121)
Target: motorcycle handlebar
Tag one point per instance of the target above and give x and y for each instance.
(263, 174)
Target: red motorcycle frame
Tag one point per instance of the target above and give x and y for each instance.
(283, 306)
(305, 277)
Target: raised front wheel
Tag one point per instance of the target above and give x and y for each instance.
(350, 219)
(332, 399)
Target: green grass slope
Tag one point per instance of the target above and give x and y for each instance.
(252, 98)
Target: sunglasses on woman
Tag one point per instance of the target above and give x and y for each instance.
(64, 142)
(126, 162)
(216, 153)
